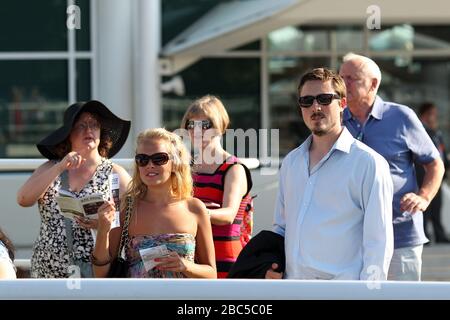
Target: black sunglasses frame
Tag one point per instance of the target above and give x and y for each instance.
(158, 159)
(206, 124)
(324, 99)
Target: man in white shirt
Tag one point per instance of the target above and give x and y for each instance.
(334, 204)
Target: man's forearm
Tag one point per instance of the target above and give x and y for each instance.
(434, 171)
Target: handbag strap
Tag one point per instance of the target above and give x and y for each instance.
(64, 184)
(124, 234)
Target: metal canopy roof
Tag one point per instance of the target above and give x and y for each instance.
(226, 26)
(235, 23)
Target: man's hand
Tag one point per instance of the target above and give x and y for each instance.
(412, 203)
(272, 274)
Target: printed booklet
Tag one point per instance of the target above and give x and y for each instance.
(82, 207)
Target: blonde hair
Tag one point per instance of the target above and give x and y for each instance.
(181, 178)
(211, 107)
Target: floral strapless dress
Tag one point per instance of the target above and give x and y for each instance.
(182, 243)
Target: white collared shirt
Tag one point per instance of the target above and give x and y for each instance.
(336, 220)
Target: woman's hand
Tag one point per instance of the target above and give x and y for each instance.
(72, 160)
(106, 216)
(173, 263)
(87, 223)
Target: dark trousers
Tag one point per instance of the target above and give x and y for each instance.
(433, 215)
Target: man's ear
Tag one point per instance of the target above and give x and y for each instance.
(374, 84)
(343, 102)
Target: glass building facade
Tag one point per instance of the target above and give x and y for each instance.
(41, 71)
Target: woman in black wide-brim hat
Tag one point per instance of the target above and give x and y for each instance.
(78, 154)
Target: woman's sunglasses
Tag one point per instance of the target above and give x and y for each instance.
(157, 159)
(323, 99)
(205, 124)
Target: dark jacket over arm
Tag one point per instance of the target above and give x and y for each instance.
(256, 258)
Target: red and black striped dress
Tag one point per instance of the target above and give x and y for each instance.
(209, 187)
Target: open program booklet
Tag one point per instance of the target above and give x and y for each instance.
(85, 207)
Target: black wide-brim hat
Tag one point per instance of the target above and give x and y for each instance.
(116, 128)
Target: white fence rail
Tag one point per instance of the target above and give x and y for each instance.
(230, 289)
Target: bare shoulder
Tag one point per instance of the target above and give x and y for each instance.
(237, 169)
(119, 169)
(236, 175)
(196, 206)
(121, 172)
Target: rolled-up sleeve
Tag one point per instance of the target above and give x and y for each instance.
(378, 234)
(418, 140)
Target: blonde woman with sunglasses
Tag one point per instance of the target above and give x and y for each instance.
(169, 234)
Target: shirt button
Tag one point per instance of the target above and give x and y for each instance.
(358, 125)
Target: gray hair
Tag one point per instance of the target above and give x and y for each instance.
(369, 66)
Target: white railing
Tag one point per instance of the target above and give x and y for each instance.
(20, 164)
(24, 264)
(235, 289)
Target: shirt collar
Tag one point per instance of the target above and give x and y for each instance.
(377, 108)
(305, 146)
(376, 112)
(347, 114)
(343, 143)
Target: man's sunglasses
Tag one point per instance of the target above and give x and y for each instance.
(157, 159)
(205, 124)
(323, 99)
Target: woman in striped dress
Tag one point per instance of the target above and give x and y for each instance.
(220, 180)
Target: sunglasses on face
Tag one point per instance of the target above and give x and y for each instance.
(205, 124)
(323, 99)
(83, 126)
(157, 159)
